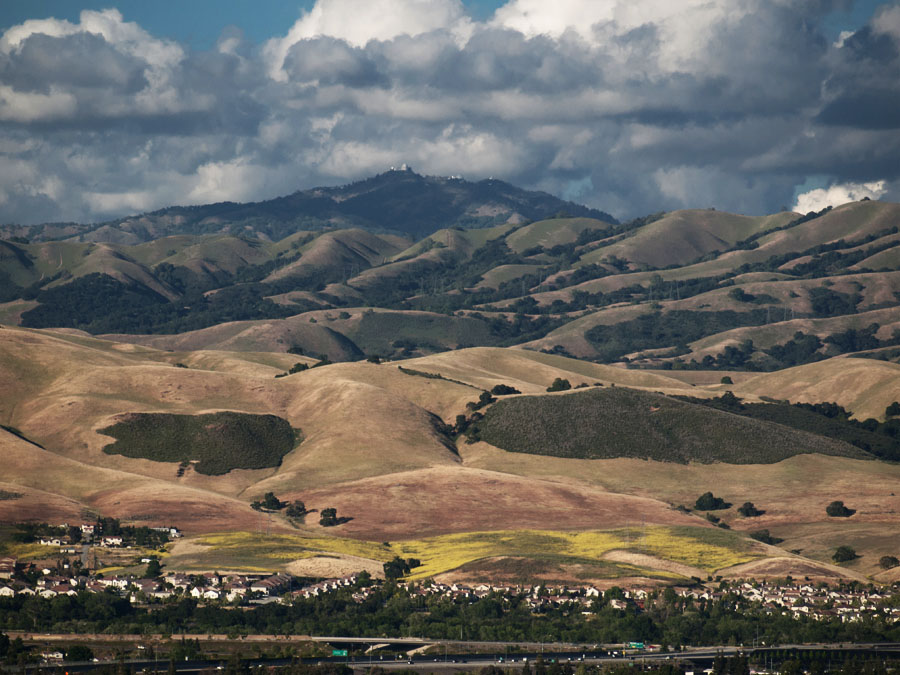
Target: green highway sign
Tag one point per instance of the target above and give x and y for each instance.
(339, 652)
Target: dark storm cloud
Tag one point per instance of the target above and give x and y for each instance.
(629, 107)
(863, 90)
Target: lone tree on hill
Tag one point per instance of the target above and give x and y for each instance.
(844, 554)
(560, 384)
(328, 518)
(707, 502)
(888, 562)
(748, 510)
(270, 501)
(836, 509)
(296, 510)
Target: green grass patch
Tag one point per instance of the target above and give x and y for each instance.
(621, 422)
(217, 442)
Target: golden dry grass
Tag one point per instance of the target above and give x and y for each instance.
(683, 236)
(453, 499)
(530, 372)
(864, 386)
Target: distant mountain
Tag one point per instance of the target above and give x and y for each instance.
(687, 290)
(397, 201)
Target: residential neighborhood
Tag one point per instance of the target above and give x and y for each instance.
(818, 601)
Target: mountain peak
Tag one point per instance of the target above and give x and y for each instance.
(398, 201)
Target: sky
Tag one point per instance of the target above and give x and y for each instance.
(631, 106)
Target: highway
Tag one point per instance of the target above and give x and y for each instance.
(459, 661)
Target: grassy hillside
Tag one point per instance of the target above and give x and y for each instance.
(556, 232)
(682, 237)
(619, 422)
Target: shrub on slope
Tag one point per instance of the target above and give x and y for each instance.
(218, 442)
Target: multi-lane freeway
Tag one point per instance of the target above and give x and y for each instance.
(507, 655)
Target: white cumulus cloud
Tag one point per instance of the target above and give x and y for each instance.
(816, 200)
(635, 106)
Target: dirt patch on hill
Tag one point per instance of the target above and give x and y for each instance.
(334, 566)
(37, 505)
(193, 511)
(795, 567)
(654, 563)
(443, 500)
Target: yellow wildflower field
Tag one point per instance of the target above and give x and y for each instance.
(699, 547)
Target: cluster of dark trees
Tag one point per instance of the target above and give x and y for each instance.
(560, 384)
(655, 329)
(328, 517)
(844, 554)
(802, 348)
(765, 537)
(399, 567)
(749, 510)
(836, 509)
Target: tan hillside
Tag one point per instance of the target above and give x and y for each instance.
(780, 331)
(530, 372)
(474, 499)
(374, 449)
(864, 386)
(276, 335)
(683, 236)
(454, 240)
(550, 233)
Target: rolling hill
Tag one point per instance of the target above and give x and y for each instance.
(379, 445)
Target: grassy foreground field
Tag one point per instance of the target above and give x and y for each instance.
(702, 548)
